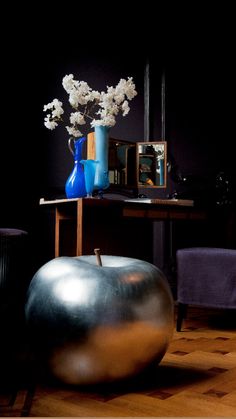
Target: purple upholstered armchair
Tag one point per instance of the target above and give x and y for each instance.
(205, 277)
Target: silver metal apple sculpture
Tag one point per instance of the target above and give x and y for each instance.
(98, 323)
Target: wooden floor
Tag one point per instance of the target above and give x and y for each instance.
(197, 377)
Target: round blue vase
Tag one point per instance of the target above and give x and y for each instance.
(101, 147)
(75, 184)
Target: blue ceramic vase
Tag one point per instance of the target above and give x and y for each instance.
(101, 147)
(89, 175)
(75, 184)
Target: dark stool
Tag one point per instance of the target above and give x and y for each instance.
(206, 277)
(14, 279)
(13, 265)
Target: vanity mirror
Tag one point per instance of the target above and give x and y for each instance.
(151, 164)
(130, 164)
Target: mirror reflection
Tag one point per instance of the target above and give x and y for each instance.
(151, 164)
(121, 162)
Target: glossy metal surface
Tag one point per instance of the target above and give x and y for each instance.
(99, 323)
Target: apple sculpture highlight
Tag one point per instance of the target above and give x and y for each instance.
(95, 323)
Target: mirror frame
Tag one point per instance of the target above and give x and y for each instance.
(151, 143)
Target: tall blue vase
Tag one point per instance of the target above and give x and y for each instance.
(75, 184)
(101, 147)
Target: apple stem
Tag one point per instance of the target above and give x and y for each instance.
(97, 253)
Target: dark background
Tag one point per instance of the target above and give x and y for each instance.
(194, 47)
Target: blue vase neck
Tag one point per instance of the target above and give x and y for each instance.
(78, 145)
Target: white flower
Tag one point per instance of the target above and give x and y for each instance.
(125, 108)
(50, 124)
(74, 132)
(87, 103)
(68, 83)
(77, 118)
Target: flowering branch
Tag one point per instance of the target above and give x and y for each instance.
(83, 100)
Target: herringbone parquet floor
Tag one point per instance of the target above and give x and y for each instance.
(197, 377)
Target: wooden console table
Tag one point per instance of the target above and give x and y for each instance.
(83, 213)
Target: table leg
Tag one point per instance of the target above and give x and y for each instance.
(79, 228)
